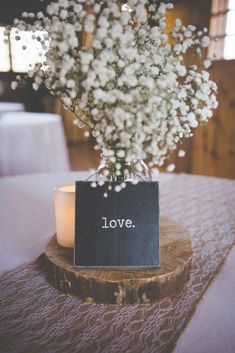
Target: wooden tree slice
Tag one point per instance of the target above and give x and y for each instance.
(123, 285)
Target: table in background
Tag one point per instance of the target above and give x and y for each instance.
(32, 143)
(6, 107)
(27, 223)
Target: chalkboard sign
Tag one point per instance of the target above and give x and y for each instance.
(120, 230)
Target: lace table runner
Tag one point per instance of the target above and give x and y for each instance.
(35, 317)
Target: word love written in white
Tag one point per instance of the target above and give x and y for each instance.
(117, 223)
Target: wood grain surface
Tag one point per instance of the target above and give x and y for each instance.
(123, 285)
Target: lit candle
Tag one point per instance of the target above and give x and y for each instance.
(65, 215)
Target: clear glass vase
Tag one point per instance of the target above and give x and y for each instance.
(121, 170)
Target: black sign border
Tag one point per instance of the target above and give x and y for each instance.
(118, 266)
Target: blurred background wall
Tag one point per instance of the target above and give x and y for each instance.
(211, 151)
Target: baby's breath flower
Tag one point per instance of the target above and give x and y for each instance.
(117, 188)
(181, 153)
(127, 81)
(170, 168)
(14, 85)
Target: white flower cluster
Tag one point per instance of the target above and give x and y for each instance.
(130, 85)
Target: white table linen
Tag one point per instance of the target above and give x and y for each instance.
(11, 107)
(32, 143)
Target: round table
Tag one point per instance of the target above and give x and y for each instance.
(11, 107)
(32, 143)
(27, 223)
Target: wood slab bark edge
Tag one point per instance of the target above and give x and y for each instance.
(123, 285)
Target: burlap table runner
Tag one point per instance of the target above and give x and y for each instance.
(35, 317)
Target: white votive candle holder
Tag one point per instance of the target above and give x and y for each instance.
(65, 215)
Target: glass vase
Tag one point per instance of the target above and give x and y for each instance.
(117, 169)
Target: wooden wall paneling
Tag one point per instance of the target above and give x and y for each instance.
(214, 144)
(73, 133)
(198, 14)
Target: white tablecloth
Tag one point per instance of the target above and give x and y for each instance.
(27, 222)
(11, 107)
(32, 143)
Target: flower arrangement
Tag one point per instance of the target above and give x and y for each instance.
(120, 67)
